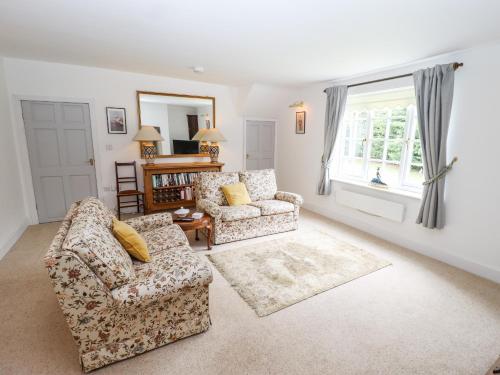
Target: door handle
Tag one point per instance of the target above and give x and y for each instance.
(91, 161)
(248, 156)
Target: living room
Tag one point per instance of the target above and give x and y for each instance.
(347, 188)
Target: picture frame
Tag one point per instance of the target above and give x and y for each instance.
(300, 122)
(117, 120)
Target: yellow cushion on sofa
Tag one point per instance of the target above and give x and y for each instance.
(236, 194)
(131, 240)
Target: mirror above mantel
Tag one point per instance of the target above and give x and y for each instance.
(177, 117)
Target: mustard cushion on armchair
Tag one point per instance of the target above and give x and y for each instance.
(236, 194)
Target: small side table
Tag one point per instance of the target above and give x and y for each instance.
(203, 223)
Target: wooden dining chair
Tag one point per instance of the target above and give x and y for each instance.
(126, 188)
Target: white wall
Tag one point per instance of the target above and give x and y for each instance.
(104, 87)
(471, 238)
(13, 218)
(177, 121)
(203, 112)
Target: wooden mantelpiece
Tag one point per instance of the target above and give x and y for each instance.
(168, 197)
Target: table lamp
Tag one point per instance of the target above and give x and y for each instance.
(203, 144)
(147, 135)
(213, 136)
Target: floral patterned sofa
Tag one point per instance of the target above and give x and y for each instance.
(271, 211)
(117, 307)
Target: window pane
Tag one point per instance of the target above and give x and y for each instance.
(379, 123)
(398, 123)
(362, 125)
(394, 151)
(417, 130)
(416, 175)
(377, 149)
(346, 147)
(358, 148)
(417, 153)
(348, 127)
(352, 167)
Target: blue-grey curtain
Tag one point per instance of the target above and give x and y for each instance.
(434, 95)
(335, 106)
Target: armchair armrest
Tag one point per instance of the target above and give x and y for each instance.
(149, 222)
(296, 199)
(209, 207)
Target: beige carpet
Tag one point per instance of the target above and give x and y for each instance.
(275, 274)
(418, 316)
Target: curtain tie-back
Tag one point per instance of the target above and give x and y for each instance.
(326, 164)
(441, 173)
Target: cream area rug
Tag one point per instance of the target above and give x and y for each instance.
(278, 273)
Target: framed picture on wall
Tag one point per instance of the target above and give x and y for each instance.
(117, 120)
(300, 122)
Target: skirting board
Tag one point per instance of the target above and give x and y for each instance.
(478, 269)
(12, 238)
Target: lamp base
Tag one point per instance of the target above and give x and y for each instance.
(204, 147)
(149, 153)
(213, 150)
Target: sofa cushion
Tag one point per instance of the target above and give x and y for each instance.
(261, 184)
(273, 207)
(209, 185)
(236, 194)
(92, 206)
(94, 243)
(164, 238)
(131, 241)
(233, 213)
(168, 274)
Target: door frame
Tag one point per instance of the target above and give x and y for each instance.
(245, 119)
(22, 147)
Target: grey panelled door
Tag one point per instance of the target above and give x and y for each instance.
(260, 144)
(61, 155)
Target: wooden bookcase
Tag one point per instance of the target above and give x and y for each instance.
(163, 198)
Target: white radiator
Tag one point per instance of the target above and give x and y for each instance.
(371, 206)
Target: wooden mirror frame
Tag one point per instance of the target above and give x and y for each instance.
(212, 98)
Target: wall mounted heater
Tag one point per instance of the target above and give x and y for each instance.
(371, 205)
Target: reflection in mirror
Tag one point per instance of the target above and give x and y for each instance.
(177, 118)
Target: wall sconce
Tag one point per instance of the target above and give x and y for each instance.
(297, 104)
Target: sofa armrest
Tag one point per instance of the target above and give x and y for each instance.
(209, 207)
(168, 276)
(149, 222)
(84, 299)
(296, 199)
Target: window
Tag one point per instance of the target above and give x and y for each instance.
(380, 130)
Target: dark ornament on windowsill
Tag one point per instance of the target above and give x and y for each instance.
(377, 181)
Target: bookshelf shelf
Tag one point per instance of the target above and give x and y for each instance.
(173, 187)
(165, 187)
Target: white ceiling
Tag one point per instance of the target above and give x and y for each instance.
(240, 42)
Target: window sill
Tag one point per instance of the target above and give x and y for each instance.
(403, 193)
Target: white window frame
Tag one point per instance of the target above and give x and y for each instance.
(408, 141)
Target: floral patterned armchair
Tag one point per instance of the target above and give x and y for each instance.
(271, 211)
(115, 307)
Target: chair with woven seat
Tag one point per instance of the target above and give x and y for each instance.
(127, 187)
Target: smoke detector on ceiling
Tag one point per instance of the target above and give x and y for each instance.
(198, 69)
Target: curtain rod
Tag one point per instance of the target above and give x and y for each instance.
(455, 67)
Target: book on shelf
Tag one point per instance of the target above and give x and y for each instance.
(173, 179)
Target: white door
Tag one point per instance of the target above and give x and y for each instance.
(61, 155)
(260, 142)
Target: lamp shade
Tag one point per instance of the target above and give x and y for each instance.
(213, 135)
(199, 134)
(148, 134)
